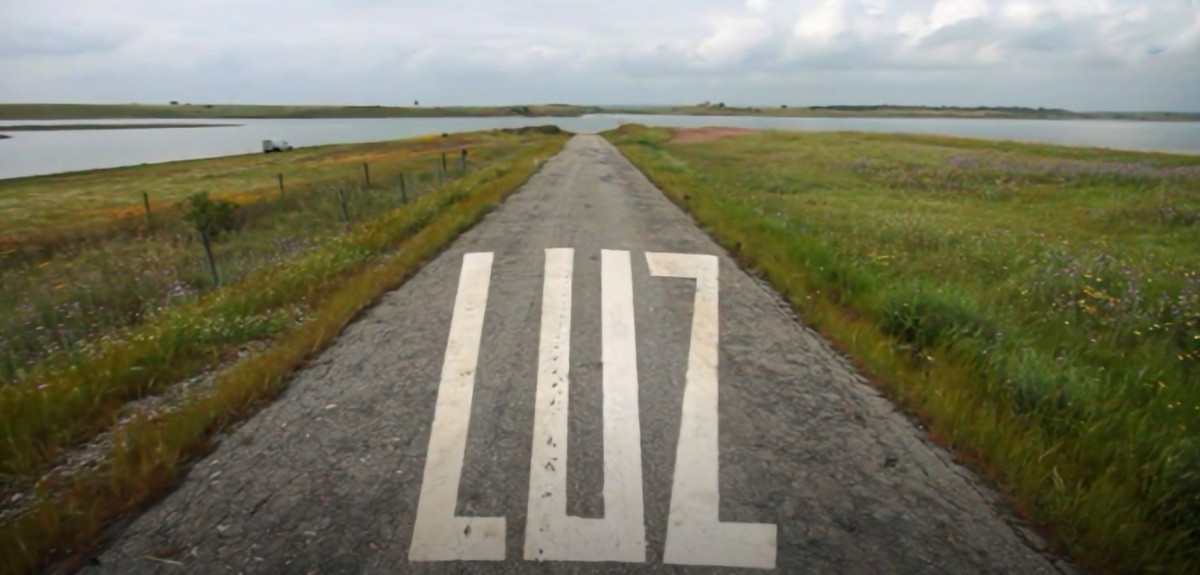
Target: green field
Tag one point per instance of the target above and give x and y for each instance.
(105, 335)
(47, 210)
(1039, 306)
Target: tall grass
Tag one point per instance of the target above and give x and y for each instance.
(66, 303)
(332, 282)
(43, 214)
(1039, 305)
(124, 318)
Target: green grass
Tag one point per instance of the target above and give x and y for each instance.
(62, 297)
(1038, 305)
(114, 320)
(297, 303)
(41, 211)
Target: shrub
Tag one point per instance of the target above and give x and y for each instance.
(210, 217)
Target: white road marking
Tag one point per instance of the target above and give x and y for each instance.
(438, 535)
(695, 533)
(551, 534)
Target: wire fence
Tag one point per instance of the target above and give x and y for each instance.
(116, 281)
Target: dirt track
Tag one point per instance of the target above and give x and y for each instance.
(795, 464)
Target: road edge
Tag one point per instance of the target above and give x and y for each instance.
(1038, 538)
(152, 457)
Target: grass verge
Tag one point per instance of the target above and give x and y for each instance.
(64, 298)
(39, 213)
(1038, 306)
(122, 319)
(335, 282)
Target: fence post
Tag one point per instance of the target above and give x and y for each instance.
(212, 263)
(280, 185)
(403, 189)
(462, 162)
(342, 199)
(146, 203)
(367, 173)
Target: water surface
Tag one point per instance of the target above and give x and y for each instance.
(34, 153)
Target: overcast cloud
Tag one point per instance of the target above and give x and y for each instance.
(1080, 54)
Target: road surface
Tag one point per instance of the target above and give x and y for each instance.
(708, 430)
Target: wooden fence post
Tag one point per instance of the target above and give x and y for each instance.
(146, 203)
(342, 200)
(367, 173)
(280, 185)
(444, 170)
(462, 162)
(212, 263)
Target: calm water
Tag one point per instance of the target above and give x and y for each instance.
(33, 153)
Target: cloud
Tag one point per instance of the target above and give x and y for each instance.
(64, 38)
(732, 40)
(1116, 53)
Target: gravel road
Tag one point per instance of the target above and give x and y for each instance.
(709, 430)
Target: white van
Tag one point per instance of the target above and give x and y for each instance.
(275, 146)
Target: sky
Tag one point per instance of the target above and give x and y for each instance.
(1079, 54)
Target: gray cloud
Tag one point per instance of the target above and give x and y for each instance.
(1117, 54)
(37, 41)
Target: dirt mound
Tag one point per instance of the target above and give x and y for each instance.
(706, 134)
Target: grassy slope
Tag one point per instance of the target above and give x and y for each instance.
(98, 111)
(332, 282)
(1040, 306)
(69, 314)
(44, 209)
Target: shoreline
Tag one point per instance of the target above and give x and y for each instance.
(76, 127)
(36, 112)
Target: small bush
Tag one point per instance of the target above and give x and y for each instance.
(210, 217)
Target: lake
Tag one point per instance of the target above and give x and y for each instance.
(34, 153)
